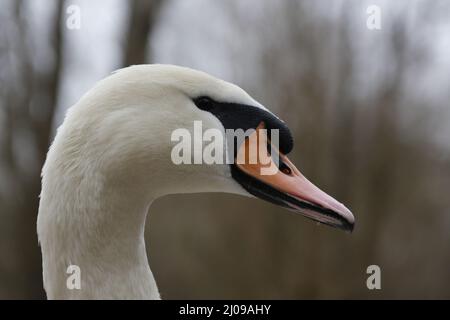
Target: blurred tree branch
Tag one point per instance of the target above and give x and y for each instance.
(23, 277)
(142, 18)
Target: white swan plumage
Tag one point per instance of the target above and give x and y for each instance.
(111, 158)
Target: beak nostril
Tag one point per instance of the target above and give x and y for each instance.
(285, 169)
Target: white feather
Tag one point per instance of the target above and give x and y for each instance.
(110, 159)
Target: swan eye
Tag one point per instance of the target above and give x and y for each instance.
(204, 103)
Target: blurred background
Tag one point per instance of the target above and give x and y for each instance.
(369, 110)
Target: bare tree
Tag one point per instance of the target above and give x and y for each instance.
(25, 280)
(142, 18)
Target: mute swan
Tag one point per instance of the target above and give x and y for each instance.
(111, 158)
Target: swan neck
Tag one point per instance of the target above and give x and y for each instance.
(97, 226)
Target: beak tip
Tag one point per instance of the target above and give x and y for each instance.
(350, 228)
(349, 221)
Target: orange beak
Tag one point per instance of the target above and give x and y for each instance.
(283, 184)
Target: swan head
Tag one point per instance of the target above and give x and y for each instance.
(148, 128)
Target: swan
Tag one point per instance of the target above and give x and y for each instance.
(111, 158)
